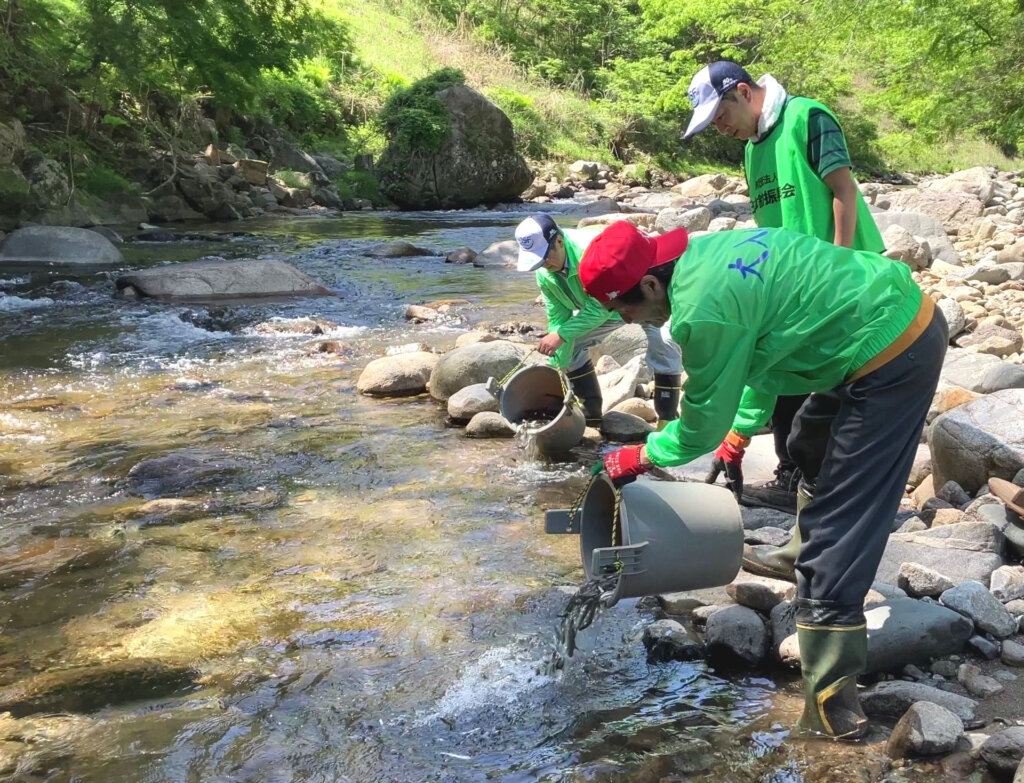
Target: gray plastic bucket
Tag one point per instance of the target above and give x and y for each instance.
(672, 536)
(539, 387)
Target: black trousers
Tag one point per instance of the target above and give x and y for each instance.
(874, 425)
(782, 424)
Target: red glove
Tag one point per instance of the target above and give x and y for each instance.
(729, 458)
(623, 465)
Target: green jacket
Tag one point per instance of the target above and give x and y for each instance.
(571, 311)
(780, 313)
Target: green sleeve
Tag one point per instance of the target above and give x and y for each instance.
(754, 411)
(591, 316)
(716, 357)
(558, 314)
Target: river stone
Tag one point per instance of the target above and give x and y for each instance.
(979, 440)
(1007, 583)
(468, 402)
(1003, 751)
(1004, 375)
(1012, 653)
(619, 427)
(181, 470)
(892, 698)
(976, 683)
(1011, 254)
(951, 209)
(57, 246)
(967, 370)
(473, 364)
(397, 249)
(89, 688)
(55, 556)
(953, 312)
(991, 339)
(503, 253)
(667, 640)
(782, 622)
(772, 536)
(402, 375)
(976, 181)
(900, 245)
(686, 601)
(657, 201)
(622, 344)
(488, 424)
(702, 185)
(690, 218)
(641, 220)
(637, 407)
(219, 279)
(461, 255)
(902, 631)
(962, 552)
(972, 599)
(476, 336)
(476, 163)
(737, 634)
(924, 227)
(759, 592)
(919, 581)
(926, 729)
(619, 384)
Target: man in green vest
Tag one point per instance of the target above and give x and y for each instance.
(765, 312)
(577, 321)
(798, 175)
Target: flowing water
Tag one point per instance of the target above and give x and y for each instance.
(360, 593)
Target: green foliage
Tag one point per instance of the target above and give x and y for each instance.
(413, 118)
(101, 180)
(293, 179)
(360, 184)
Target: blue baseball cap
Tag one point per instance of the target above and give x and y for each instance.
(708, 87)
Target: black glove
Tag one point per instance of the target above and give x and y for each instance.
(728, 458)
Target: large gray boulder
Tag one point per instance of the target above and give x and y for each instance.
(57, 246)
(473, 364)
(976, 181)
(964, 369)
(951, 209)
(737, 634)
(979, 440)
(972, 599)
(891, 699)
(402, 375)
(923, 227)
(477, 162)
(962, 552)
(220, 279)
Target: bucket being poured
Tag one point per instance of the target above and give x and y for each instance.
(658, 536)
(538, 398)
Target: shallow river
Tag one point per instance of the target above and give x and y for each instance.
(361, 593)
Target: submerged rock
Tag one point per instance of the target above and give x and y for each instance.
(58, 246)
(220, 279)
(55, 556)
(181, 470)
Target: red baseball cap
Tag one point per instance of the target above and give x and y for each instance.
(621, 255)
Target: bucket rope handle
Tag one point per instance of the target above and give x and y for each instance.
(567, 394)
(516, 369)
(577, 506)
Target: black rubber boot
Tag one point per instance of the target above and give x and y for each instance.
(667, 391)
(778, 562)
(588, 391)
(831, 657)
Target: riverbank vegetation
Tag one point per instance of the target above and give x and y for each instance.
(922, 85)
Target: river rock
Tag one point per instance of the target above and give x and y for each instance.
(471, 400)
(503, 253)
(619, 427)
(950, 208)
(953, 494)
(53, 556)
(976, 181)
(1011, 254)
(476, 163)
(488, 424)
(397, 249)
(703, 185)
(961, 552)
(979, 440)
(972, 599)
(1004, 375)
(892, 698)
(965, 369)
(772, 536)
(1003, 751)
(473, 364)
(953, 312)
(690, 218)
(642, 220)
(901, 246)
(402, 375)
(992, 339)
(462, 255)
(926, 729)
(89, 688)
(57, 246)
(1012, 653)
(667, 640)
(619, 384)
(637, 407)
(1007, 583)
(220, 279)
(737, 633)
(919, 581)
(923, 227)
(976, 683)
(759, 592)
(622, 344)
(181, 470)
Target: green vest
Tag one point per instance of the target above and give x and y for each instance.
(786, 191)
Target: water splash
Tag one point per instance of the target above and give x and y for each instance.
(12, 304)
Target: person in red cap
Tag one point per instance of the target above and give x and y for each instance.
(764, 312)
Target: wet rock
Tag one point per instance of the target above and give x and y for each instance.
(979, 440)
(759, 592)
(667, 640)
(782, 622)
(757, 518)
(1007, 583)
(621, 427)
(396, 249)
(1003, 751)
(167, 511)
(476, 336)
(181, 470)
(468, 402)
(892, 698)
(634, 406)
(220, 279)
(462, 255)
(619, 385)
(737, 634)
(419, 314)
(311, 326)
(402, 375)
(471, 364)
(89, 688)
(57, 246)
(976, 683)
(55, 556)
(1012, 653)
(688, 600)
(489, 425)
(108, 233)
(972, 599)
(926, 729)
(919, 581)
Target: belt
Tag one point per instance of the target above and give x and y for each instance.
(905, 339)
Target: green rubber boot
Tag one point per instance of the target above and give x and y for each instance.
(831, 657)
(778, 562)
